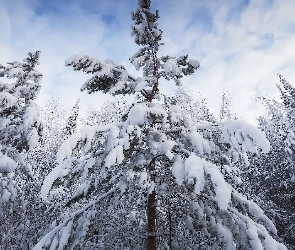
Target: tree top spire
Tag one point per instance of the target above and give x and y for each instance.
(145, 4)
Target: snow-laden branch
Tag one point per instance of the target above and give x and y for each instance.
(46, 240)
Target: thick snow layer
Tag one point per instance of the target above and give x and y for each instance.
(199, 143)
(58, 172)
(15, 72)
(244, 137)
(189, 223)
(93, 63)
(138, 61)
(115, 156)
(100, 69)
(227, 235)
(65, 150)
(7, 165)
(118, 86)
(157, 110)
(178, 170)
(3, 123)
(143, 179)
(195, 63)
(253, 237)
(162, 146)
(222, 189)
(194, 168)
(193, 171)
(64, 235)
(257, 212)
(7, 99)
(270, 243)
(175, 114)
(32, 138)
(5, 195)
(137, 114)
(141, 84)
(83, 188)
(171, 67)
(73, 59)
(85, 134)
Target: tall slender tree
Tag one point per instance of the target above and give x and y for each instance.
(19, 122)
(19, 133)
(19, 113)
(155, 179)
(272, 180)
(226, 112)
(72, 120)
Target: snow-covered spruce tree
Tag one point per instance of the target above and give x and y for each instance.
(272, 179)
(154, 180)
(19, 133)
(72, 120)
(19, 121)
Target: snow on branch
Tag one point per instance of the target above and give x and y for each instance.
(108, 77)
(59, 236)
(175, 68)
(244, 137)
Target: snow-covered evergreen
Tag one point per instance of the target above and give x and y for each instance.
(19, 133)
(156, 179)
(158, 173)
(271, 180)
(19, 119)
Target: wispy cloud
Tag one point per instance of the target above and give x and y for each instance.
(241, 44)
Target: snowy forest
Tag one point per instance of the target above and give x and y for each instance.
(160, 172)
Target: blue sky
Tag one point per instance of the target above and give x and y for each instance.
(241, 44)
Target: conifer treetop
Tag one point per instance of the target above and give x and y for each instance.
(287, 92)
(115, 79)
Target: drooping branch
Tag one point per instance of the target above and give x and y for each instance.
(49, 236)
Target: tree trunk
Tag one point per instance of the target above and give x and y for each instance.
(151, 213)
(151, 242)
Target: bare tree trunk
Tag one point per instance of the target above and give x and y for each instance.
(151, 242)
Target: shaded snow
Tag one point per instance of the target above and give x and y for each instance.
(7, 165)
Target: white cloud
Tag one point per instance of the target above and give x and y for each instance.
(242, 51)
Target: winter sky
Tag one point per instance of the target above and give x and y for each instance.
(241, 44)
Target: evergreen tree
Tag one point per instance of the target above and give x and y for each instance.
(19, 122)
(154, 180)
(19, 133)
(226, 112)
(272, 180)
(72, 120)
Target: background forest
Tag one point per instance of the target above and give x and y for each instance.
(155, 173)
